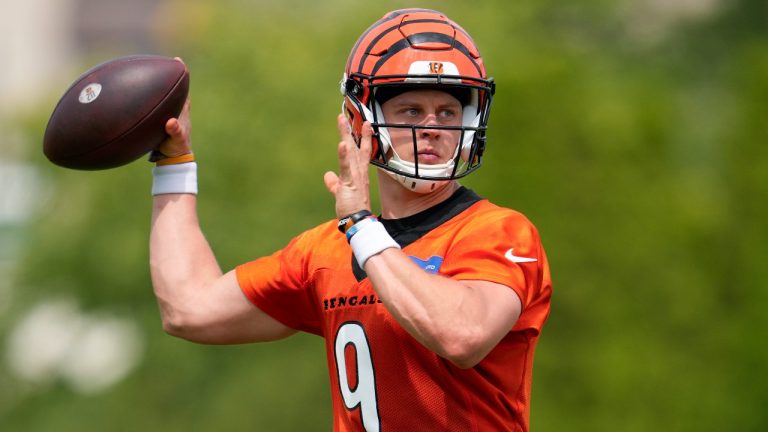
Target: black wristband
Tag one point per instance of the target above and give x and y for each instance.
(346, 222)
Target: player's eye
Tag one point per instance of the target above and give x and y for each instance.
(447, 113)
(410, 112)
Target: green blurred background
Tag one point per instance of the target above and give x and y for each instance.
(633, 134)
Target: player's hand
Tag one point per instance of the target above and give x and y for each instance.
(350, 186)
(179, 130)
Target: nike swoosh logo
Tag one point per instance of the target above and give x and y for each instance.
(518, 259)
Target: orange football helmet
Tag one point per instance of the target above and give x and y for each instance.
(410, 49)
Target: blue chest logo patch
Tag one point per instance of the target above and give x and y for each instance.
(431, 265)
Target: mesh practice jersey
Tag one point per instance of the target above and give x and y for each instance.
(382, 379)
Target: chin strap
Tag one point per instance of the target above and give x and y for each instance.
(421, 186)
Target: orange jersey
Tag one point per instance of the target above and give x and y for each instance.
(382, 379)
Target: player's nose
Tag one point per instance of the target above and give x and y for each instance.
(429, 119)
(426, 130)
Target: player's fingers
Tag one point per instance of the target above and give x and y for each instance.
(187, 106)
(331, 181)
(345, 130)
(346, 147)
(184, 116)
(358, 155)
(345, 161)
(173, 127)
(365, 141)
(178, 130)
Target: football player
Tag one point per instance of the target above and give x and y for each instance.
(430, 309)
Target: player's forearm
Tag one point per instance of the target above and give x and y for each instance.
(444, 315)
(181, 261)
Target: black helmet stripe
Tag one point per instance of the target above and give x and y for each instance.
(385, 32)
(360, 39)
(424, 37)
(381, 21)
(370, 46)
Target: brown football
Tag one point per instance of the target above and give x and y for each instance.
(116, 112)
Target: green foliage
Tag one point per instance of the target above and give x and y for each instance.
(641, 159)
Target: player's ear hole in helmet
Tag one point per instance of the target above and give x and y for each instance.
(418, 49)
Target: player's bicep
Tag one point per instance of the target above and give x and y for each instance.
(228, 317)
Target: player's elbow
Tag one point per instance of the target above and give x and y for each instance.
(465, 350)
(465, 361)
(174, 325)
(185, 316)
(182, 326)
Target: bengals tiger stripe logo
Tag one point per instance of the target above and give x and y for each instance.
(436, 67)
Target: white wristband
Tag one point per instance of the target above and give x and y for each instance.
(370, 239)
(178, 178)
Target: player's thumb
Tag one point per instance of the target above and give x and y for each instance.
(177, 143)
(331, 181)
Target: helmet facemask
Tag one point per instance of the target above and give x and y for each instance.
(409, 50)
(420, 177)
